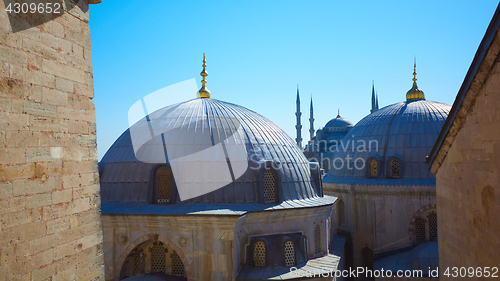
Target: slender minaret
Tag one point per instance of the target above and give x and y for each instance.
(374, 99)
(298, 126)
(311, 121)
(376, 105)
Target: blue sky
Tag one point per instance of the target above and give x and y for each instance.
(258, 51)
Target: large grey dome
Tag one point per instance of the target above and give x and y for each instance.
(403, 131)
(207, 122)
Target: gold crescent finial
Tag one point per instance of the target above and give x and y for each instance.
(204, 92)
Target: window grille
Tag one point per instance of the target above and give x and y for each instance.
(158, 257)
(317, 239)
(289, 253)
(341, 212)
(433, 226)
(395, 168)
(259, 253)
(163, 185)
(373, 168)
(177, 265)
(367, 258)
(419, 230)
(269, 183)
(138, 261)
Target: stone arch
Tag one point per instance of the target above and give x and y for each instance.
(419, 213)
(147, 237)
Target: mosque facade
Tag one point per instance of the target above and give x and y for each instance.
(266, 214)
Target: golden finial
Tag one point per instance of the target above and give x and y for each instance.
(415, 93)
(204, 92)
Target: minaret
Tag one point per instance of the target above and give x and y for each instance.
(376, 105)
(374, 99)
(298, 126)
(311, 121)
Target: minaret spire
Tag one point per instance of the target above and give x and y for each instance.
(204, 92)
(298, 126)
(374, 99)
(311, 120)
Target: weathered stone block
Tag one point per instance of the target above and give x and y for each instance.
(38, 109)
(22, 138)
(38, 200)
(54, 97)
(14, 121)
(57, 225)
(12, 88)
(78, 127)
(64, 84)
(13, 155)
(61, 70)
(62, 196)
(36, 154)
(5, 190)
(12, 55)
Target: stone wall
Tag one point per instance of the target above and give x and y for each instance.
(380, 217)
(203, 243)
(468, 191)
(49, 190)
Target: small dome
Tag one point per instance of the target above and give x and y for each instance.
(405, 131)
(338, 122)
(206, 123)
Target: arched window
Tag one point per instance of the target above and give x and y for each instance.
(164, 182)
(395, 168)
(341, 212)
(317, 239)
(373, 168)
(177, 265)
(158, 257)
(419, 230)
(139, 260)
(269, 182)
(259, 253)
(433, 226)
(367, 258)
(289, 253)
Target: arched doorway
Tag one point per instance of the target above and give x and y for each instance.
(153, 258)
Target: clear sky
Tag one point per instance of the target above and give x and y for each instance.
(258, 51)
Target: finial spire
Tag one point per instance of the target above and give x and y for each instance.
(338, 112)
(415, 93)
(415, 70)
(204, 92)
